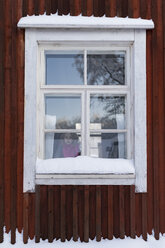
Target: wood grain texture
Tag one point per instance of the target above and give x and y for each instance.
(144, 216)
(127, 209)
(155, 133)
(98, 8)
(121, 212)
(31, 220)
(20, 116)
(113, 8)
(44, 209)
(87, 7)
(25, 218)
(7, 145)
(69, 212)
(110, 212)
(50, 213)
(54, 6)
(75, 7)
(2, 118)
(104, 211)
(138, 214)
(75, 213)
(30, 7)
(37, 214)
(81, 212)
(86, 213)
(14, 90)
(132, 212)
(92, 211)
(41, 7)
(98, 213)
(48, 7)
(57, 206)
(124, 8)
(149, 121)
(63, 214)
(161, 109)
(116, 224)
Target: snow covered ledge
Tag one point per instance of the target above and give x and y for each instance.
(77, 171)
(55, 21)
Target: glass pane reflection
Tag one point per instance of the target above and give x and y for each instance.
(106, 69)
(62, 112)
(107, 112)
(62, 145)
(64, 68)
(108, 145)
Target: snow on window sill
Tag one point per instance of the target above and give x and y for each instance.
(85, 170)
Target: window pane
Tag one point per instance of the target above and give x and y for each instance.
(63, 112)
(108, 145)
(105, 68)
(62, 145)
(65, 68)
(107, 112)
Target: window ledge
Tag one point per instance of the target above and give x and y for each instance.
(85, 179)
(55, 21)
(76, 171)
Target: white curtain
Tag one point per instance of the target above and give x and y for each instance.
(121, 144)
(50, 123)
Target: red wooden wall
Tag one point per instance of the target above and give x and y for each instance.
(64, 212)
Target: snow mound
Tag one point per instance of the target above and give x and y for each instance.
(85, 165)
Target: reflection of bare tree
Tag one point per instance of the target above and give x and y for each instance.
(67, 124)
(103, 69)
(111, 105)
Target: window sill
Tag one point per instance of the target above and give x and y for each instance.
(85, 179)
(76, 171)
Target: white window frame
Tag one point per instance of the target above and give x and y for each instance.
(85, 91)
(123, 33)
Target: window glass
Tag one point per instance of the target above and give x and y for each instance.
(62, 145)
(108, 145)
(106, 131)
(64, 68)
(62, 112)
(105, 68)
(107, 112)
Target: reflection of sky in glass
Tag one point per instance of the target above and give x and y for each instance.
(66, 109)
(108, 110)
(61, 69)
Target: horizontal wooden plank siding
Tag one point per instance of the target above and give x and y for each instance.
(85, 212)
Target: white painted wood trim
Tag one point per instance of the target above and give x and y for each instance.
(86, 176)
(106, 37)
(140, 136)
(30, 144)
(85, 181)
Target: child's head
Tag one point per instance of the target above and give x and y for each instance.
(68, 138)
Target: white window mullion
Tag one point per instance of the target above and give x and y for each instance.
(128, 126)
(41, 120)
(85, 67)
(83, 123)
(87, 122)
